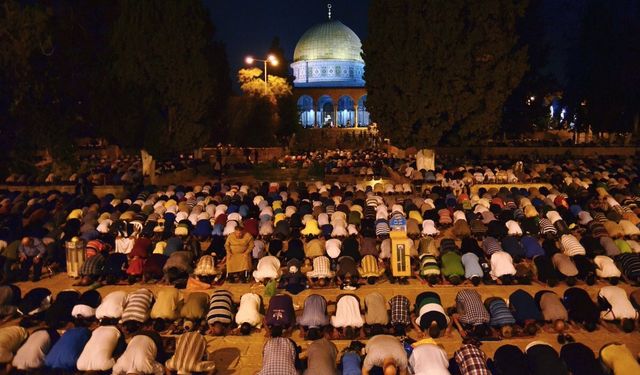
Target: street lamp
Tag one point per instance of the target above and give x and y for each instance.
(271, 59)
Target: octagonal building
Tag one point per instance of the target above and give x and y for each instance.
(328, 70)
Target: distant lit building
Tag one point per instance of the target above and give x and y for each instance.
(328, 70)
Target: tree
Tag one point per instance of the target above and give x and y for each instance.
(49, 55)
(24, 37)
(603, 69)
(441, 71)
(164, 74)
(252, 84)
(260, 108)
(288, 116)
(282, 68)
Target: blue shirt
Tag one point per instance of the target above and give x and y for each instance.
(36, 248)
(471, 265)
(531, 246)
(203, 228)
(351, 364)
(173, 244)
(511, 245)
(65, 352)
(524, 307)
(500, 313)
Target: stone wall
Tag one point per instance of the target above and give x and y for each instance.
(100, 191)
(236, 154)
(541, 151)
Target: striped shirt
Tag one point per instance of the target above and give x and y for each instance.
(470, 307)
(444, 217)
(190, 349)
(429, 265)
(382, 227)
(369, 266)
(571, 246)
(491, 245)
(372, 201)
(138, 306)
(597, 229)
(93, 266)
(370, 213)
(220, 307)
(546, 226)
(599, 217)
(499, 311)
(630, 264)
(518, 214)
(94, 247)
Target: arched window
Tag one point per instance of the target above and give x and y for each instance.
(306, 111)
(346, 114)
(325, 112)
(363, 114)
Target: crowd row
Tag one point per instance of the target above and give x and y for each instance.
(95, 329)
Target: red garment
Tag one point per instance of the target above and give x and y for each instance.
(94, 247)
(560, 201)
(135, 266)
(251, 226)
(498, 201)
(140, 248)
(444, 216)
(221, 219)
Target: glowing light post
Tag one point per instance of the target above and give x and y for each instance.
(270, 59)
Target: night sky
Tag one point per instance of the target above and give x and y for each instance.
(247, 27)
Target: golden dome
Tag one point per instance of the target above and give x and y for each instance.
(330, 40)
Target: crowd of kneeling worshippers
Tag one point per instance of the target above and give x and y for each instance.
(299, 236)
(166, 331)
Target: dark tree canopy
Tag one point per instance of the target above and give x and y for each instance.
(441, 71)
(287, 108)
(164, 65)
(282, 69)
(52, 58)
(140, 73)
